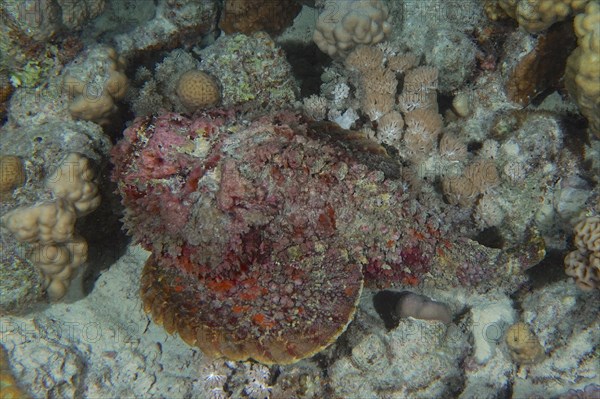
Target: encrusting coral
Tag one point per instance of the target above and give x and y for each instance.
(266, 80)
(583, 264)
(261, 239)
(49, 226)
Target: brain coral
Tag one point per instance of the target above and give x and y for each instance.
(197, 89)
(262, 232)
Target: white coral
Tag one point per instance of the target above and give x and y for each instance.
(390, 127)
(340, 93)
(347, 119)
(315, 107)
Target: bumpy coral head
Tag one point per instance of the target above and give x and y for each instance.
(198, 90)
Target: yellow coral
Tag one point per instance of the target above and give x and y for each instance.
(8, 385)
(47, 222)
(523, 345)
(582, 75)
(197, 89)
(97, 104)
(74, 181)
(57, 250)
(537, 15)
(344, 24)
(58, 263)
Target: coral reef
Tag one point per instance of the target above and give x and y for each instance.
(44, 19)
(250, 16)
(175, 23)
(417, 147)
(582, 76)
(342, 25)
(438, 34)
(564, 319)
(416, 359)
(264, 82)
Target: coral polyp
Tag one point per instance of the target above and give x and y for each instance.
(262, 232)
